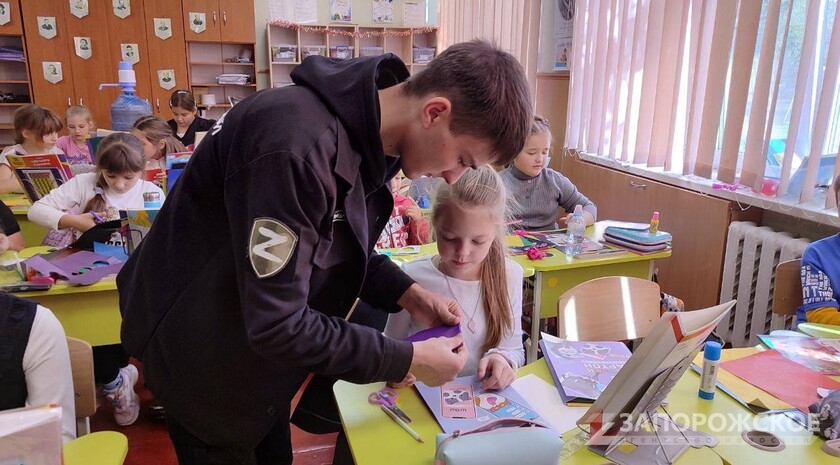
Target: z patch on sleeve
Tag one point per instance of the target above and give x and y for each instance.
(272, 244)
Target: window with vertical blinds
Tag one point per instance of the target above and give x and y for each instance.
(742, 92)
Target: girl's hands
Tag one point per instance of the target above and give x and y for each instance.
(495, 371)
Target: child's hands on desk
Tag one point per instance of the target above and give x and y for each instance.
(495, 371)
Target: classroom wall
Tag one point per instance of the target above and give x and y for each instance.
(362, 15)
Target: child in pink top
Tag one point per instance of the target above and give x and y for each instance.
(76, 146)
(407, 225)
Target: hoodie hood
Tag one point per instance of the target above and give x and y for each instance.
(337, 83)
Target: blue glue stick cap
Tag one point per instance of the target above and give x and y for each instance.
(712, 350)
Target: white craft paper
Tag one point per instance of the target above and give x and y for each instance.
(544, 398)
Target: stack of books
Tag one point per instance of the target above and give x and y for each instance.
(638, 239)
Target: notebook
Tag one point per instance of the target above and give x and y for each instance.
(136, 224)
(582, 370)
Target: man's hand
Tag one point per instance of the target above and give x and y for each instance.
(428, 308)
(495, 371)
(438, 360)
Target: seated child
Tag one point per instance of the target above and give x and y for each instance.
(84, 201)
(544, 195)
(821, 278)
(76, 146)
(185, 122)
(36, 132)
(157, 139)
(407, 225)
(469, 219)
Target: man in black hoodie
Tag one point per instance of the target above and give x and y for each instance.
(241, 287)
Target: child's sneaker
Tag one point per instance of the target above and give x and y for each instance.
(126, 402)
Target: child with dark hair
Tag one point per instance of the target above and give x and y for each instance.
(158, 140)
(186, 122)
(36, 132)
(84, 201)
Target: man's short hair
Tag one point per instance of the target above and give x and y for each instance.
(489, 94)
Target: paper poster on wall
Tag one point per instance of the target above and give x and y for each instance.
(383, 11)
(166, 78)
(5, 13)
(296, 11)
(130, 53)
(46, 26)
(341, 11)
(83, 47)
(163, 27)
(198, 22)
(52, 71)
(79, 8)
(563, 27)
(414, 13)
(122, 8)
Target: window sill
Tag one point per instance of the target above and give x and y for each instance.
(814, 210)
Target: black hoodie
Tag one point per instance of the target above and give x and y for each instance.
(223, 349)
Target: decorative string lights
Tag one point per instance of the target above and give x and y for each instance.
(339, 30)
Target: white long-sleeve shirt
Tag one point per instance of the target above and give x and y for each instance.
(75, 194)
(468, 295)
(46, 368)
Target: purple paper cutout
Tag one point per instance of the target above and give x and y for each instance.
(437, 331)
(93, 266)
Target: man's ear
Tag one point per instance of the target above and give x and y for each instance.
(434, 109)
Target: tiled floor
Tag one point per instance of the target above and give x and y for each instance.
(148, 441)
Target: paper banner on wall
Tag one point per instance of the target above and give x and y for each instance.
(383, 11)
(166, 78)
(414, 13)
(122, 8)
(47, 27)
(83, 47)
(52, 71)
(130, 53)
(79, 8)
(341, 11)
(563, 25)
(198, 22)
(163, 27)
(5, 13)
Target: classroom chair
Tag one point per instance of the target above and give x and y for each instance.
(102, 447)
(612, 308)
(787, 297)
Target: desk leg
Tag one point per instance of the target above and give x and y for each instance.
(531, 355)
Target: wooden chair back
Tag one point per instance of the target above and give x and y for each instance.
(787, 290)
(84, 387)
(613, 308)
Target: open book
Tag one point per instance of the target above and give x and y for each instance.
(559, 239)
(39, 174)
(582, 370)
(31, 435)
(651, 372)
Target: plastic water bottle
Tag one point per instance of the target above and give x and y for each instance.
(576, 229)
(127, 107)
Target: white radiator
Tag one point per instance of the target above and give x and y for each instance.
(752, 254)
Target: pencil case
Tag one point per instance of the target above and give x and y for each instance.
(500, 442)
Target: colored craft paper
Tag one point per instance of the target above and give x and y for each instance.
(781, 377)
(437, 331)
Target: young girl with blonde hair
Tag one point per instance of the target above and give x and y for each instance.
(76, 145)
(469, 219)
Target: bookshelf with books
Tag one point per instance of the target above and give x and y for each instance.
(288, 46)
(15, 86)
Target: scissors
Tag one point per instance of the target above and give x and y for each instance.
(387, 398)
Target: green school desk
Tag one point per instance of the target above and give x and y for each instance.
(90, 313)
(820, 330)
(400, 255)
(558, 273)
(376, 439)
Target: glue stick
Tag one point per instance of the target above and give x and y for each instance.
(654, 223)
(708, 379)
